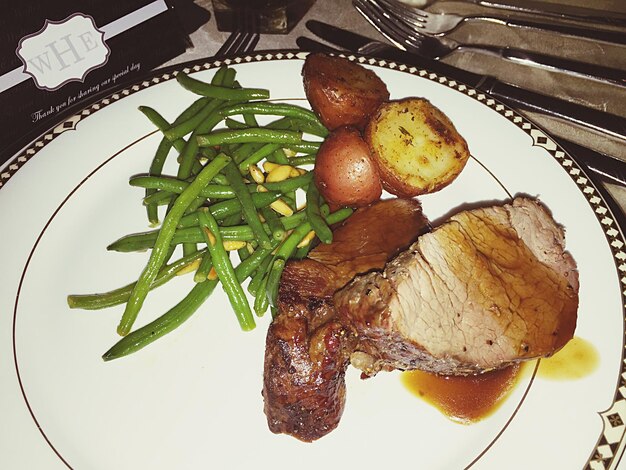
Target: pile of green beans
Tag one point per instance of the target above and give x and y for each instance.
(235, 190)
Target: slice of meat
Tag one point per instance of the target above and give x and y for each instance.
(307, 349)
(487, 288)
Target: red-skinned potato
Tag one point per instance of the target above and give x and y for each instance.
(341, 92)
(345, 173)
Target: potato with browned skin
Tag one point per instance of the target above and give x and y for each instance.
(341, 92)
(345, 173)
(416, 147)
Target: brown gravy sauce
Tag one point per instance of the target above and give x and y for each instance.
(463, 399)
(470, 399)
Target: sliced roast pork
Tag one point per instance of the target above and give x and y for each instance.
(487, 288)
(307, 349)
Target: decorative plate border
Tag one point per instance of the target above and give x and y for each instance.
(610, 446)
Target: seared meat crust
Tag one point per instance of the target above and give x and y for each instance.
(307, 350)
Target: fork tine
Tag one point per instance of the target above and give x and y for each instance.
(413, 15)
(254, 40)
(234, 36)
(393, 30)
(239, 42)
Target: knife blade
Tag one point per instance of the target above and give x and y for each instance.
(561, 11)
(512, 95)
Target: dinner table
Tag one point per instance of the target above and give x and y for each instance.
(602, 157)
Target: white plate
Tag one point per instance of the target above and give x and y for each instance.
(192, 399)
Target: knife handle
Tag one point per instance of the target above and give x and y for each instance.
(520, 98)
(616, 37)
(558, 64)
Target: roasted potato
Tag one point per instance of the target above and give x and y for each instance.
(415, 146)
(341, 92)
(345, 173)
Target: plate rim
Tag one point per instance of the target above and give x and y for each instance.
(608, 450)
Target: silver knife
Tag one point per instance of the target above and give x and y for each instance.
(516, 97)
(559, 11)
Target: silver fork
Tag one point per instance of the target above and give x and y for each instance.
(437, 24)
(245, 36)
(406, 37)
(238, 42)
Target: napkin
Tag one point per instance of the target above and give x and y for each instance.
(57, 56)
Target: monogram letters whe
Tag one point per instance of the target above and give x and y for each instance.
(63, 51)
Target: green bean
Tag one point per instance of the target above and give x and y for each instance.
(301, 252)
(243, 151)
(202, 273)
(292, 221)
(290, 183)
(182, 127)
(191, 247)
(178, 142)
(258, 276)
(225, 271)
(250, 120)
(224, 93)
(161, 245)
(188, 155)
(304, 147)
(243, 253)
(120, 295)
(160, 198)
(273, 222)
(303, 160)
(234, 124)
(308, 126)
(175, 133)
(248, 209)
(257, 156)
(322, 230)
(177, 315)
(156, 167)
(173, 185)
(231, 221)
(219, 179)
(260, 297)
(273, 279)
(278, 156)
(269, 108)
(249, 135)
